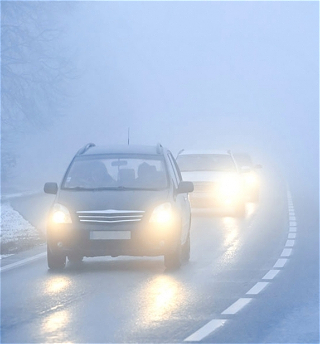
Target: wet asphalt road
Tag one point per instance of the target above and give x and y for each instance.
(135, 300)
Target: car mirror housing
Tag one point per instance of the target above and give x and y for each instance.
(185, 187)
(51, 188)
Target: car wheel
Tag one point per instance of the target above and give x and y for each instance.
(56, 261)
(75, 258)
(173, 259)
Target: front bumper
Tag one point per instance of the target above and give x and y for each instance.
(142, 240)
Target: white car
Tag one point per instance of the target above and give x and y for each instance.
(218, 181)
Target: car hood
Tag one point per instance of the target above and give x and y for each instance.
(76, 200)
(206, 176)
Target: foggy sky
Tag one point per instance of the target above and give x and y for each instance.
(239, 75)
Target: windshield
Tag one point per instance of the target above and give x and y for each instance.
(206, 162)
(116, 172)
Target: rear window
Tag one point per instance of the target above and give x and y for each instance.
(116, 172)
(205, 162)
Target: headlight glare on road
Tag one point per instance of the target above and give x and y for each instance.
(162, 214)
(60, 214)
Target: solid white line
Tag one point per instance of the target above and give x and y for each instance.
(22, 262)
(237, 306)
(257, 288)
(280, 263)
(271, 274)
(290, 243)
(205, 330)
(292, 235)
(292, 223)
(286, 252)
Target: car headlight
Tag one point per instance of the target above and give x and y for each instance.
(162, 214)
(251, 179)
(230, 186)
(60, 214)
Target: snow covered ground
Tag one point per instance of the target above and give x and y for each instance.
(16, 233)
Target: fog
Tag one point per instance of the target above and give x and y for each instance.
(236, 75)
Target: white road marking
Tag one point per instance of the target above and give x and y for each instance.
(271, 274)
(292, 229)
(22, 262)
(205, 330)
(290, 243)
(292, 218)
(292, 235)
(257, 288)
(280, 263)
(286, 252)
(237, 306)
(292, 223)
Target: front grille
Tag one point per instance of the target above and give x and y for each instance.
(110, 216)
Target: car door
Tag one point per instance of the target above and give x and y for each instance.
(182, 200)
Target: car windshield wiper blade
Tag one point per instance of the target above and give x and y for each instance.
(77, 188)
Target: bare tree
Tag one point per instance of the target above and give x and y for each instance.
(34, 72)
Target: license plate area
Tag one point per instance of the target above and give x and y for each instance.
(110, 235)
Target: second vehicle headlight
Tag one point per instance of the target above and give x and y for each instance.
(60, 214)
(162, 214)
(230, 186)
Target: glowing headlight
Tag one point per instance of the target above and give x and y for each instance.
(162, 214)
(60, 214)
(229, 186)
(251, 178)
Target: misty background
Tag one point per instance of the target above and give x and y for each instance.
(208, 75)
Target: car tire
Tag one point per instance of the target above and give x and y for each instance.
(75, 258)
(56, 260)
(173, 259)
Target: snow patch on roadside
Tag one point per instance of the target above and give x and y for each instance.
(13, 226)
(15, 231)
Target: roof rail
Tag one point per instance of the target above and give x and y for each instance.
(85, 148)
(159, 148)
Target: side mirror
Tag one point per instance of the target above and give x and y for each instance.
(185, 187)
(50, 188)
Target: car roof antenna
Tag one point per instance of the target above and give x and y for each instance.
(128, 136)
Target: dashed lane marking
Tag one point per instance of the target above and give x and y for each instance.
(281, 262)
(271, 274)
(205, 330)
(237, 306)
(257, 288)
(290, 243)
(286, 252)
